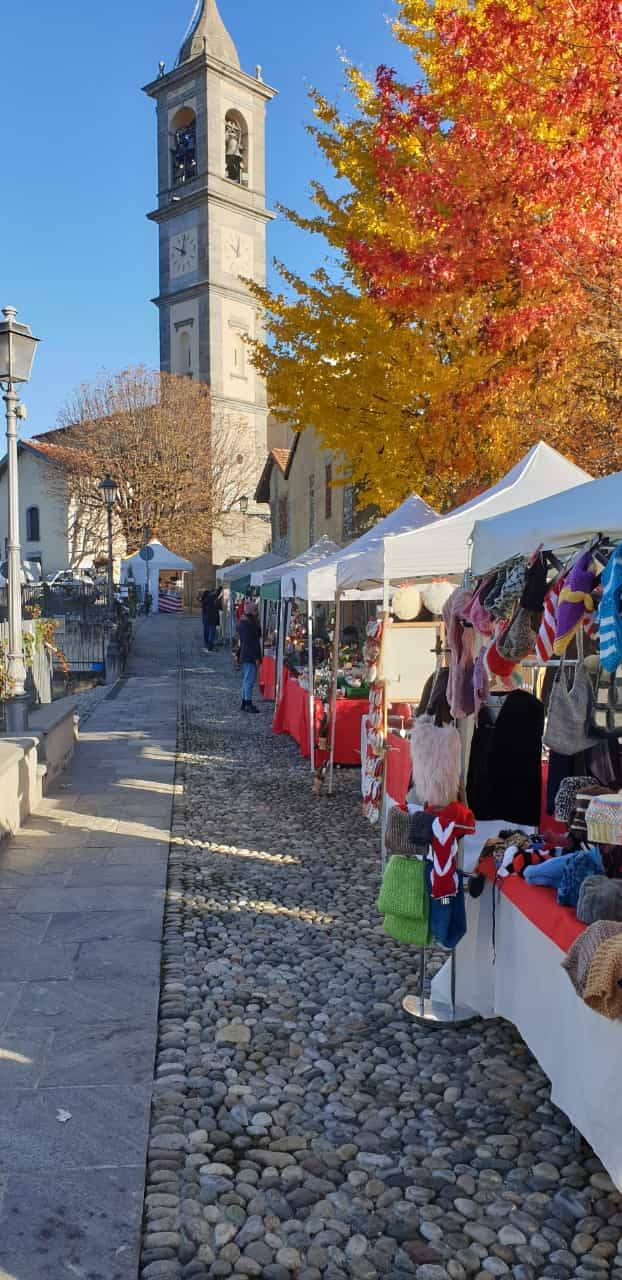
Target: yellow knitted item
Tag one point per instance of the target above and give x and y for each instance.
(602, 992)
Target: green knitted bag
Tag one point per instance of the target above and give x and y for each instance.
(404, 901)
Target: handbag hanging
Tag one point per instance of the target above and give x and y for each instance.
(568, 726)
(607, 711)
(518, 641)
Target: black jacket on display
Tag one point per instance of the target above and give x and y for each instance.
(515, 762)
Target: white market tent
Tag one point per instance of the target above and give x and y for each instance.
(319, 582)
(233, 573)
(442, 548)
(146, 573)
(557, 523)
(293, 573)
(571, 1042)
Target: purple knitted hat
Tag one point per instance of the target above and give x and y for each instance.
(574, 600)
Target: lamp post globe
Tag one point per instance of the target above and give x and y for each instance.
(17, 352)
(109, 490)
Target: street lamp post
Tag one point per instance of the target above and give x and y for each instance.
(109, 492)
(17, 352)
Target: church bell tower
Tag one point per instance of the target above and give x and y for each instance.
(212, 218)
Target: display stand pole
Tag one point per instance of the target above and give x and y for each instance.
(386, 620)
(311, 680)
(333, 692)
(422, 1007)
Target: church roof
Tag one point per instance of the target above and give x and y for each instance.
(209, 32)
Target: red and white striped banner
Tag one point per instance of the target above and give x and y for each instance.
(169, 602)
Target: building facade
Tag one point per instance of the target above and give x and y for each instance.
(307, 495)
(212, 219)
(54, 532)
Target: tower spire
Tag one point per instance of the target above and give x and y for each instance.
(209, 32)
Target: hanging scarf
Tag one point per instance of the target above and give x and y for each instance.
(454, 821)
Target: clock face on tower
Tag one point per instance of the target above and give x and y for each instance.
(184, 253)
(237, 253)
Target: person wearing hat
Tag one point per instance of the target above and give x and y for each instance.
(249, 632)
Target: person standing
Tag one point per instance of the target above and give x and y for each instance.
(249, 632)
(210, 610)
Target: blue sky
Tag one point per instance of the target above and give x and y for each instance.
(77, 256)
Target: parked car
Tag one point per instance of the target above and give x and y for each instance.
(69, 579)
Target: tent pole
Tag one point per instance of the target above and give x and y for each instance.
(280, 648)
(385, 728)
(333, 691)
(311, 680)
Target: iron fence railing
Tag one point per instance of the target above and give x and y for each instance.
(81, 601)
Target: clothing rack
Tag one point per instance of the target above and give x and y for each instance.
(422, 1007)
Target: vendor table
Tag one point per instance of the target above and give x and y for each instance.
(579, 1050)
(267, 677)
(292, 716)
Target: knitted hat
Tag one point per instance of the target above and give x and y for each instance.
(534, 590)
(602, 990)
(481, 681)
(453, 821)
(577, 867)
(479, 616)
(574, 600)
(610, 614)
(420, 827)
(498, 666)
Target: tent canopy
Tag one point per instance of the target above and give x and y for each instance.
(163, 559)
(233, 574)
(319, 582)
(557, 523)
(293, 574)
(442, 548)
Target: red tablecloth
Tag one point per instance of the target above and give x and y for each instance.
(267, 678)
(540, 906)
(292, 716)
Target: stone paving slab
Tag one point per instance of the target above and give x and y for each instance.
(81, 901)
(80, 1223)
(105, 1128)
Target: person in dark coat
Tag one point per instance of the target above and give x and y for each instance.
(249, 632)
(210, 610)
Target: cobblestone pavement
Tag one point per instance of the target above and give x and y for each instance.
(303, 1126)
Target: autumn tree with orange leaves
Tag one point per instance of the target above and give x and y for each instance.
(479, 240)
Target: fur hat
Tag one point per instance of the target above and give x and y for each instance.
(406, 603)
(436, 595)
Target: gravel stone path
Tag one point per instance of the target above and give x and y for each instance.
(303, 1126)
